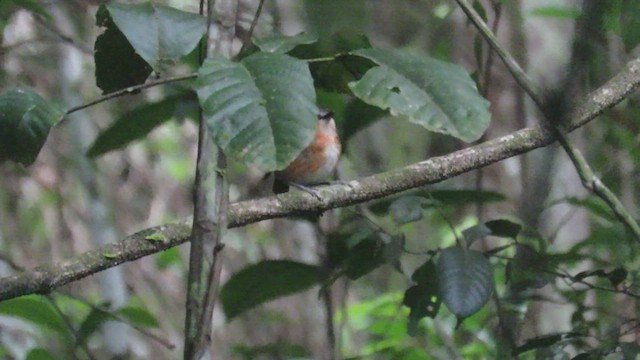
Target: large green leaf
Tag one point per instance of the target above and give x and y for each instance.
(261, 110)
(264, 281)
(37, 310)
(465, 280)
(25, 121)
(117, 64)
(138, 122)
(160, 34)
(437, 95)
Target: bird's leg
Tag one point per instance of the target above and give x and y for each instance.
(306, 189)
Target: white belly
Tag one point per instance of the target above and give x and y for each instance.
(332, 154)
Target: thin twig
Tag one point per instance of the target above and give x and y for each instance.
(65, 38)
(254, 22)
(127, 91)
(160, 340)
(70, 326)
(447, 221)
(589, 180)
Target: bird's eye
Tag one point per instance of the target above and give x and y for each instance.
(325, 114)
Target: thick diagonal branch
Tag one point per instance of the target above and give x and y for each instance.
(48, 277)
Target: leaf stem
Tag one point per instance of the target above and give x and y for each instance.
(126, 91)
(254, 22)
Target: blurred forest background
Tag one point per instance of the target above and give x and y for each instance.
(67, 203)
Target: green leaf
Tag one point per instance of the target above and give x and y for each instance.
(595, 205)
(529, 269)
(407, 209)
(91, 324)
(160, 34)
(109, 255)
(139, 122)
(617, 276)
(365, 257)
(464, 197)
(117, 64)
(357, 116)
(562, 12)
(167, 258)
(264, 281)
(261, 110)
(37, 310)
(504, 228)
(475, 232)
(39, 354)
(465, 280)
(25, 121)
(282, 44)
(436, 95)
(139, 316)
(423, 299)
(158, 236)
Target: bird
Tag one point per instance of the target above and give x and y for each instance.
(317, 162)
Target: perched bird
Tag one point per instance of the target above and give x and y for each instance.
(317, 162)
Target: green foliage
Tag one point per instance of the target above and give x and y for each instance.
(407, 209)
(563, 12)
(442, 198)
(39, 311)
(423, 298)
(25, 121)
(331, 63)
(159, 34)
(167, 258)
(139, 122)
(630, 23)
(465, 280)
(282, 44)
(91, 324)
(439, 96)
(117, 64)
(39, 354)
(261, 110)
(139, 316)
(264, 281)
(330, 16)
